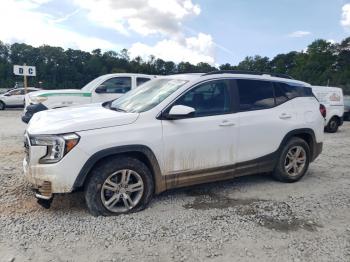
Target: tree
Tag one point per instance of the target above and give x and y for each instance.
(185, 67)
(204, 68)
(322, 63)
(227, 66)
(284, 63)
(256, 63)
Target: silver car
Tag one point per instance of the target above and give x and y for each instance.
(14, 97)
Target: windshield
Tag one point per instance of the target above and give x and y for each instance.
(147, 96)
(89, 86)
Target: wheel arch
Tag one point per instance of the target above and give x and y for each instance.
(307, 134)
(334, 114)
(338, 118)
(140, 152)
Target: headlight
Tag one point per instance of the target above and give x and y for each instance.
(37, 99)
(57, 146)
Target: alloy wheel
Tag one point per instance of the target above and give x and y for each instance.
(122, 191)
(295, 161)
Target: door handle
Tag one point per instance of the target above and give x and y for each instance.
(285, 116)
(227, 123)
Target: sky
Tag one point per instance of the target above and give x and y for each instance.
(212, 31)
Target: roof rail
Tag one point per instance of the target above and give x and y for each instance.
(279, 75)
(243, 72)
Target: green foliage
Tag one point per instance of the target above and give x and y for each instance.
(257, 63)
(323, 63)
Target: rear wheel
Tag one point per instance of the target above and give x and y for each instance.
(2, 105)
(118, 186)
(293, 161)
(333, 125)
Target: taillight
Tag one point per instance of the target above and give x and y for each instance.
(323, 110)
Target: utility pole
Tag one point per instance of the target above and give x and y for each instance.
(25, 82)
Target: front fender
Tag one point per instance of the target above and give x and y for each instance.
(159, 181)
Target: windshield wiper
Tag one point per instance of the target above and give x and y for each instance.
(118, 109)
(108, 104)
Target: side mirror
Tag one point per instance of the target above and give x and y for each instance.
(180, 111)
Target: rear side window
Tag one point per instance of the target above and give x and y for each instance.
(308, 92)
(141, 80)
(285, 92)
(255, 95)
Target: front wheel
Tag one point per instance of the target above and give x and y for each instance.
(332, 126)
(118, 186)
(2, 105)
(293, 161)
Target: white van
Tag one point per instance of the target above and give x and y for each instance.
(332, 98)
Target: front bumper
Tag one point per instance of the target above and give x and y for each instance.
(48, 179)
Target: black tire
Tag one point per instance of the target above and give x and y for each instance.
(280, 172)
(102, 171)
(2, 105)
(332, 126)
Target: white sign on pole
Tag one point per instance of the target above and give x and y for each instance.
(24, 70)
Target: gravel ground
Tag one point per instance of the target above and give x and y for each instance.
(246, 219)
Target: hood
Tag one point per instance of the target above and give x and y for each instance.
(60, 92)
(79, 118)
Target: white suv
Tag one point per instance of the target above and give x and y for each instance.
(174, 131)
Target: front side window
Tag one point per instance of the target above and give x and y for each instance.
(255, 95)
(91, 85)
(147, 96)
(141, 80)
(116, 85)
(212, 98)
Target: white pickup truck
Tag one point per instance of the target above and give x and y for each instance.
(333, 100)
(102, 89)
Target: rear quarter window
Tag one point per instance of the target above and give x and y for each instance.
(286, 91)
